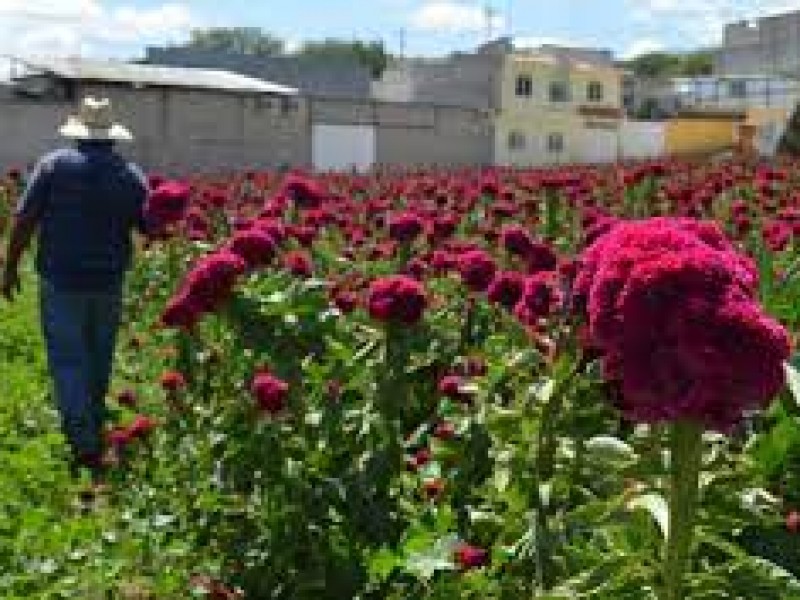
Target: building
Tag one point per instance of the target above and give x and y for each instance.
(329, 78)
(557, 108)
(553, 104)
(467, 79)
(767, 46)
(198, 120)
(762, 104)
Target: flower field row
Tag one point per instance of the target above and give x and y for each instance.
(563, 383)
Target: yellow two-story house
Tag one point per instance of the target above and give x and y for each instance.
(557, 109)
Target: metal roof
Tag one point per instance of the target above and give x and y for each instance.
(79, 69)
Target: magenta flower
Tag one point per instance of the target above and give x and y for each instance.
(671, 307)
(398, 298)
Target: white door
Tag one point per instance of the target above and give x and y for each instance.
(343, 147)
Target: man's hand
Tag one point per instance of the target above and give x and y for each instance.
(11, 285)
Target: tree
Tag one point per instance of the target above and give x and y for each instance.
(238, 40)
(657, 65)
(372, 55)
(697, 64)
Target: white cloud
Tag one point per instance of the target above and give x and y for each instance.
(52, 27)
(642, 46)
(702, 21)
(454, 17)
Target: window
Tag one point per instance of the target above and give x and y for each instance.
(737, 88)
(594, 93)
(559, 91)
(516, 140)
(555, 143)
(524, 86)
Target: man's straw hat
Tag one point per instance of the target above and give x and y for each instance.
(95, 121)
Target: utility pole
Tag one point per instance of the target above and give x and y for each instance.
(491, 13)
(402, 35)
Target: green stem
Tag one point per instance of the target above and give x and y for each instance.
(547, 444)
(685, 461)
(468, 325)
(392, 390)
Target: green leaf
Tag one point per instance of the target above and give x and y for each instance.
(793, 380)
(439, 558)
(382, 563)
(658, 508)
(609, 448)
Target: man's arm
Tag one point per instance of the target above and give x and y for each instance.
(21, 234)
(141, 199)
(28, 213)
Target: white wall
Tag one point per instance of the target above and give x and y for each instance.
(343, 147)
(642, 139)
(598, 146)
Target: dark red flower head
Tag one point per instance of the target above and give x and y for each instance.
(398, 298)
(270, 392)
(141, 427)
(405, 227)
(516, 240)
(127, 398)
(167, 205)
(672, 308)
(477, 269)
(299, 263)
(172, 381)
(470, 557)
(208, 285)
(306, 192)
(253, 246)
(506, 289)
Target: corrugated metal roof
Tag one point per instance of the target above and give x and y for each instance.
(79, 69)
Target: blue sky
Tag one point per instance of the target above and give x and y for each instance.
(122, 28)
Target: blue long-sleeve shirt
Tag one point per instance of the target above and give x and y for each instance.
(86, 202)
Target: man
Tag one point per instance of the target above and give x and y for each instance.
(84, 201)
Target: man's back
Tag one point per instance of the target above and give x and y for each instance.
(87, 200)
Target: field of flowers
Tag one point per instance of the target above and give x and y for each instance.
(489, 384)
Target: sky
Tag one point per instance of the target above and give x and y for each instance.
(123, 28)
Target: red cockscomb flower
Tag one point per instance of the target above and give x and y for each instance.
(270, 393)
(477, 269)
(672, 308)
(299, 263)
(255, 247)
(127, 398)
(172, 381)
(405, 227)
(506, 289)
(470, 557)
(397, 298)
(793, 522)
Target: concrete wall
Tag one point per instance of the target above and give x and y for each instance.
(27, 131)
(176, 130)
(179, 131)
(465, 80)
(414, 134)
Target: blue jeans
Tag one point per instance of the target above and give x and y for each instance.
(80, 330)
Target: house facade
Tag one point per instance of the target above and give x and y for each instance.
(557, 109)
